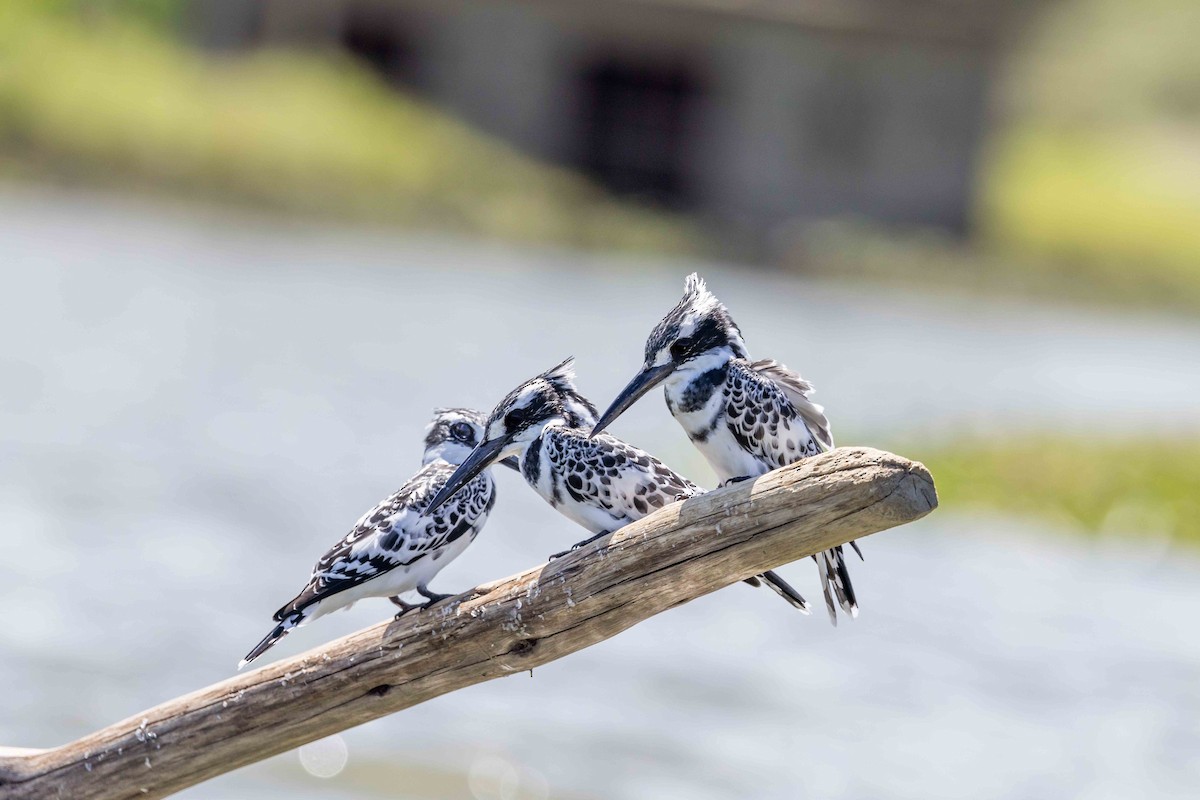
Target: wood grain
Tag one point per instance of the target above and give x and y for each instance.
(675, 555)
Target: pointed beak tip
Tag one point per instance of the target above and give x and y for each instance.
(482, 457)
(646, 379)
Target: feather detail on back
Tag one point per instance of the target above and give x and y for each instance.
(797, 390)
(397, 533)
(612, 475)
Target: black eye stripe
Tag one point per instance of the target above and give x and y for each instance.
(520, 417)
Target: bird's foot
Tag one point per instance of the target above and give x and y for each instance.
(431, 598)
(732, 481)
(578, 545)
(404, 607)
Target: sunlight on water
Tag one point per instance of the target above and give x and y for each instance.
(192, 411)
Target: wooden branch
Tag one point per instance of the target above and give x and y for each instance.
(675, 555)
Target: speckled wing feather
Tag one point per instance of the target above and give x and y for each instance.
(797, 390)
(764, 416)
(613, 475)
(773, 418)
(396, 533)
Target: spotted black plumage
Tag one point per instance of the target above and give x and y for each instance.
(600, 482)
(746, 417)
(398, 533)
(398, 545)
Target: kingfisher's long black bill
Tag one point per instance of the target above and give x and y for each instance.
(482, 457)
(643, 382)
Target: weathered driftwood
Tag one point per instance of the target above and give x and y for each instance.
(673, 556)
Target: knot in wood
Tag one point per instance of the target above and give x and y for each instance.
(523, 646)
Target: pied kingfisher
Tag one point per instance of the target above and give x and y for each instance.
(746, 417)
(600, 482)
(400, 544)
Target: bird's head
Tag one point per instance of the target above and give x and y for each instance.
(453, 433)
(696, 335)
(542, 401)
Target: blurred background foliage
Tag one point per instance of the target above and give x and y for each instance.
(104, 94)
(1089, 187)
(1150, 489)
(1097, 164)
(1089, 190)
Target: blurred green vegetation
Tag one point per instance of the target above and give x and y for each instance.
(1129, 486)
(1094, 177)
(100, 97)
(1089, 186)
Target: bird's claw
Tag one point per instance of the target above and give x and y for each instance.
(578, 545)
(432, 598)
(404, 607)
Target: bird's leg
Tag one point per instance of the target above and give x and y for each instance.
(578, 545)
(431, 597)
(732, 481)
(404, 607)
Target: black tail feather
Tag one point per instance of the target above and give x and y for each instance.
(277, 633)
(784, 590)
(854, 544)
(836, 580)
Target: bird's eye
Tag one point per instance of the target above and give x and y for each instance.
(679, 348)
(463, 432)
(514, 418)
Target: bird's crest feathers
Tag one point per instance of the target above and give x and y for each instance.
(562, 376)
(700, 319)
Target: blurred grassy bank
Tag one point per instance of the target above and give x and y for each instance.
(1089, 183)
(101, 98)
(1093, 177)
(1128, 486)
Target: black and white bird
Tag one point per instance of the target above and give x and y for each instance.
(400, 544)
(600, 482)
(746, 417)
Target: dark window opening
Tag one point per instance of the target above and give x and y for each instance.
(636, 126)
(375, 35)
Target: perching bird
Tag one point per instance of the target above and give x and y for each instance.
(600, 482)
(400, 544)
(746, 417)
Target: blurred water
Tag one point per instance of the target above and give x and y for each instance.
(193, 408)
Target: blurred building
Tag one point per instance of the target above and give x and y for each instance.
(754, 114)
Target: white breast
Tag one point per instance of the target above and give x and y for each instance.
(726, 456)
(549, 487)
(708, 431)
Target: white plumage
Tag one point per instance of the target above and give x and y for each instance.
(398, 546)
(745, 417)
(600, 482)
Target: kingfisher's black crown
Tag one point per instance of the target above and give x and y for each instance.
(545, 396)
(699, 322)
